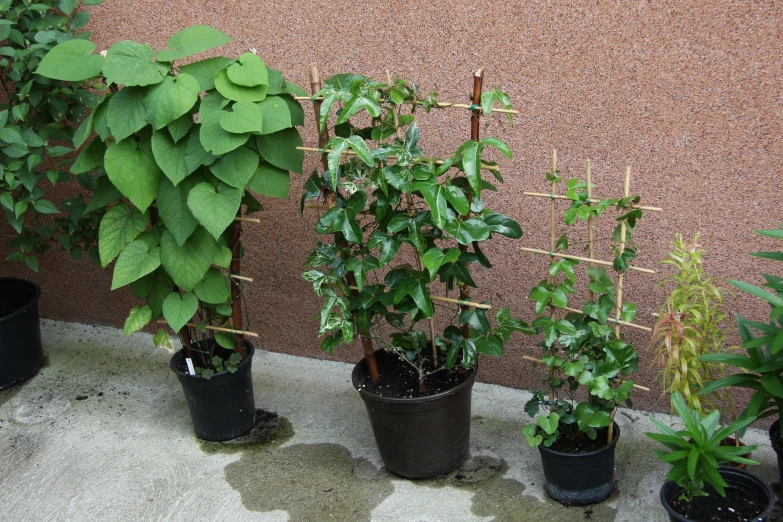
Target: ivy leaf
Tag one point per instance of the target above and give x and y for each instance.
(71, 61)
(129, 63)
(389, 246)
(170, 99)
(235, 168)
(417, 289)
(398, 177)
(214, 208)
(466, 232)
(188, 263)
(190, 41)
(131, 167)
(212, 288)
(476, 318)
(179, 309)
(339, 220)
(360, 267)
(434, 195)
(508, 324)
(489, 345)
(119, 226)
(358, 103)
(457, 198)
(434, 258)
(125, 112)
(137, 319)
(503, 225)
(471, 163)
(134, 262)
(403, 220)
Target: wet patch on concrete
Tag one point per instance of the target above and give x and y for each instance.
(270, 430)
(46, 406)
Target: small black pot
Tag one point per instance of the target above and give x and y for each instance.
(777, 445)
(736, 478)
(221, 408)
(576, 479)
(21, 353)
(419, 437)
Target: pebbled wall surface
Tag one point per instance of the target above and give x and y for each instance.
(688, 94)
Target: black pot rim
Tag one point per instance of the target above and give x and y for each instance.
(33, 286)
(608, 447)
(180, 354)
(469, 380)
(764, 515)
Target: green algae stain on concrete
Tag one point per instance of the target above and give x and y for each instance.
(271, 430)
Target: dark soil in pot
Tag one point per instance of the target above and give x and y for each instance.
(222, 407)
(419, 435)
(748, 498)
(21, 352)
(579, 470)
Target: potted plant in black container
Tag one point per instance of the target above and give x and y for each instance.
(405, 225)
(35, 115)
(698, 487)
(178, 152)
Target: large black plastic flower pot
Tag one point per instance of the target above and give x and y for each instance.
(21, 353)
(221, 408)
(777, 444)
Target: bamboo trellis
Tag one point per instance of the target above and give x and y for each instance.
(591, 259)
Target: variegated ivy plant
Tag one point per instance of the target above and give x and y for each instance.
(402, 222)
(180, 148)
(581, 349)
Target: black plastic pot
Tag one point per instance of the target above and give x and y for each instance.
(21, 353)
(221, 408)
(576, 479)
(736, 478)
(777, 445)
(420, 437)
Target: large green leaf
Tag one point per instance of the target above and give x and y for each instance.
(134, 262)
(214, 208)
(213, 288)
(129, 63)
(179, 309)
(503, 225)
(211, 103)
(236, 92)
(90, 157)
(170, 99)
(270, 181)
(178, 160)
(179, 128)
(131, 167)
(389, 245)
(71, 61)
(137, 319)
(458, 199)
(188, 263)
(244, 117)
(235, 168)
(173, 208)
(279, 149)
(216, 139)
(467, 231)
(277, 115)
(476, 318)
(471, 163)
(192, 40)
(248, 71)
(120, 225)
(340, 220)
(204, 71)
(435, 195)
(126, 113)
(360, 267)
(435, 257)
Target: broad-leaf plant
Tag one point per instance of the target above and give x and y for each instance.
(178, 149)
(406, 226)
(580, 350)
(36, 116)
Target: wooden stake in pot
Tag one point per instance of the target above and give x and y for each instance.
(236, 293)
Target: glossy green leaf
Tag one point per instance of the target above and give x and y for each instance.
(71, 61)
(131, 167)
(503, 225)
(465, 232)
(471, 163)
(129, 63)
(434, 258)
(338, 220)
(389, 245)
(457, 198)
(119, 226)
(434, 195)
(188, 263)
(235, 168)
(179, 309)
(103, 193)
(134, 262)
(360, 267)
(490, 345)
(170, 99)
(190, 41)
(476, 318)
(214, 208)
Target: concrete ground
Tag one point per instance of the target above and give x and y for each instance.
(102, 433)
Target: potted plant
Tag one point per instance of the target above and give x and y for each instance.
(761, 367)
(403, 225)
(179, 150)
(577, 437)
(35, 116)
(690, 324)
(697, 487)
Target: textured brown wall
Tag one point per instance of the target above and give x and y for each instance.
(689, 94)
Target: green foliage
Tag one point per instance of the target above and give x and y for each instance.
(36, 114)
(690, 324)
(763, 364)
(695, 452)
(390, 204)
(180, 180)
(581, 349)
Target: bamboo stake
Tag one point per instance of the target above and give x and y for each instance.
(590, 255)
(318, 99)
(556, 196)
(619, 303)
(470, 304)
(236, 293)
(247, 220)
(350, 152)
(589, 260)
(241, 278)
(315, 86)
(552, 246)
(217, 329)
(624, 323)
(533, 359)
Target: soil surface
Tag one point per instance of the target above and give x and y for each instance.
(739, 505)
(400, 380)
(572, 440)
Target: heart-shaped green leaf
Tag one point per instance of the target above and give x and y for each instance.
(277, 115)
(245, 117)
(192, 40)
(270, 181)
(170, 99)
(120, 225)
(134, 262)
(129, 63)
(549, 424)
(213, 288)
(204, 71)
(188, 263)
(71, 61)
(248, 71)
(235, 168)
(125, 112)
(214, 209)
(173, 208)
(279, 149)
(236, 92)
(179, 309)
(131, 167)
(178, 160)
(216, 139)
(137, 319)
